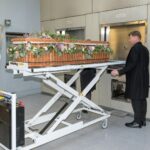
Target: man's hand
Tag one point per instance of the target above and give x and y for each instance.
(115, 73)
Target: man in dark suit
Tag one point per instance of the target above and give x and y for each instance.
(137, 79)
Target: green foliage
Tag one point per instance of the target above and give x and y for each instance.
(21, 50)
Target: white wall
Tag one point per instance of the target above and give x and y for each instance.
(123, 15)
(105, 5)
(56, 9)
(25, 16)
(92, 26)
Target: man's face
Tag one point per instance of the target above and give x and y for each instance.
(133, 39)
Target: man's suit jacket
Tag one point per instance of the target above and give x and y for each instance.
(137, 72)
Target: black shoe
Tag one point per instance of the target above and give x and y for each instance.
(133, 124)
(85, 111)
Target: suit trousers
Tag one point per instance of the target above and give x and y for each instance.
(140, 109)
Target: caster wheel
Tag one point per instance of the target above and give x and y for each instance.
(104, 124)
(78, 116)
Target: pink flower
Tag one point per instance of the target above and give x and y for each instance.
(61, 46)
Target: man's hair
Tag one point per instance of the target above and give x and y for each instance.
(135, 33)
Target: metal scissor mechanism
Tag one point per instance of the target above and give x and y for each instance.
(54, 125)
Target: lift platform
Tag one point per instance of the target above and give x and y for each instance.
(77, 103)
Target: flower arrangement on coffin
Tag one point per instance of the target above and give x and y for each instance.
(21, 50)
(53, 48)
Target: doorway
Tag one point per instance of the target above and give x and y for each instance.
(118, 37)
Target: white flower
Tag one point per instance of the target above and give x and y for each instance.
(34, 49)
(9, 49)
(15, 47)
(45, 48)
(91, 48)
(28, 46)
(16, 54)
(105, 46)
(71, 45)
(43, 34)
(64, 48)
